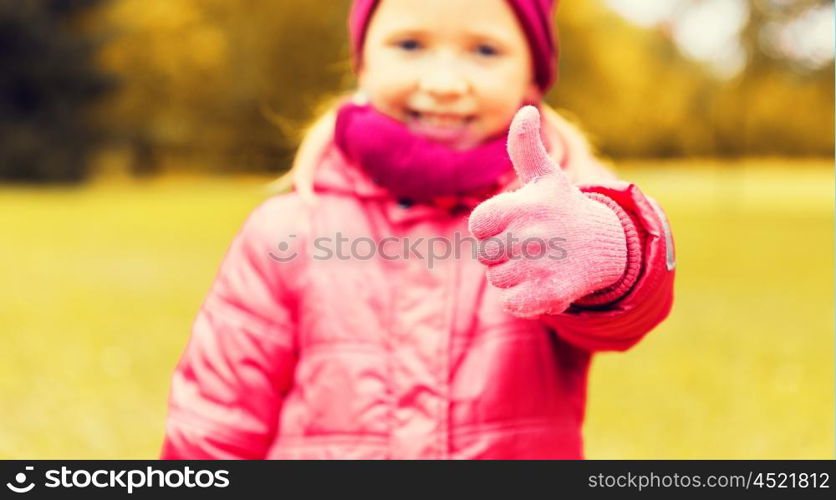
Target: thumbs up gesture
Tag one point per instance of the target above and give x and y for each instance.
(547, 244)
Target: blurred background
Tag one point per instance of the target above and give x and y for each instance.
(136, 136)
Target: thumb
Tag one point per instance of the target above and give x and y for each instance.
(526, 148)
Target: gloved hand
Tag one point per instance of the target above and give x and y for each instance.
(548, 244)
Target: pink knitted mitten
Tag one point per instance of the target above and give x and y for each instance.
(548, 244)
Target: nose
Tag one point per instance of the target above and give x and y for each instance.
(444, 79)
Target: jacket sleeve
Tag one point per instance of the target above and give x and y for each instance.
(227, 389)
(622, 323)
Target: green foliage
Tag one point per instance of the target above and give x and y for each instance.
(47, 82)
(219, 83)
(637, 96)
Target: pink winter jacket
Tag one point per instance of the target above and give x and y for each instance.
(297, 357)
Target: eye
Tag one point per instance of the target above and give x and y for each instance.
(409, 45)
(486, 50)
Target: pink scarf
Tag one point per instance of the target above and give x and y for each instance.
(413, 167)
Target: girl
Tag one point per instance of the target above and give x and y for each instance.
(305, 350)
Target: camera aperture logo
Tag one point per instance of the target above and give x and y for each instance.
(128, 479)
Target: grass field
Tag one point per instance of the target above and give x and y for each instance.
(102, 284)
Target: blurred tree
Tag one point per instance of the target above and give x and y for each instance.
(630, 88)
(637, 95)
(47, 82)
(217, 83)
(783, 102)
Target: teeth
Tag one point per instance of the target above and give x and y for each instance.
(441, 120)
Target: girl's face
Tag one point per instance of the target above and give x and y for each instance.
(454, 71)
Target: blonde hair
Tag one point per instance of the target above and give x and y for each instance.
(315, 138)
(312, 139)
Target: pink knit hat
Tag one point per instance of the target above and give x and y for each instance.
(535, 17)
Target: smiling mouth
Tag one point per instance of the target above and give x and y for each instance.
(439, 120)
